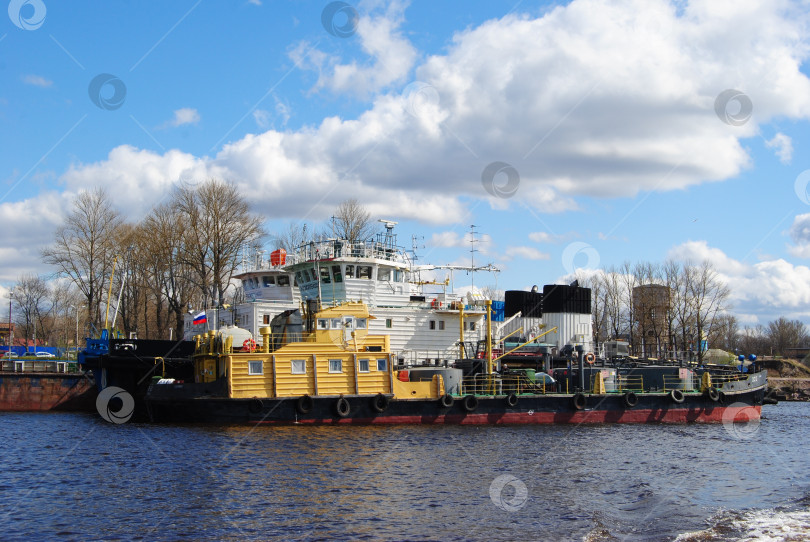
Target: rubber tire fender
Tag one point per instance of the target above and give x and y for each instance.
(676, 396)
(470, 403)
(255, 405)
(630, 399)
(342, 407)
(579, 401)
(512, 400)
(446, 400)
(304, 404)
(713, 394)
(380, 403)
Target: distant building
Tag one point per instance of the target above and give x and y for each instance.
(650, 309)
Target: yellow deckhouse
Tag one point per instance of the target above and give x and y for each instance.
(338, 357)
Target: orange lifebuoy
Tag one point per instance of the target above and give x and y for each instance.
(249, 345)
(589, 357)
(434, 303)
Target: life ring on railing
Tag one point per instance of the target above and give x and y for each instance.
(342, 407)
(249, 345)
(590, 358)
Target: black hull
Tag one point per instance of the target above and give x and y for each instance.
(164, 405)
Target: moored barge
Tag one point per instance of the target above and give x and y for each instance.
(339, 373)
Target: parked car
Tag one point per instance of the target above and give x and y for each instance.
(44, 355)
(10, 355)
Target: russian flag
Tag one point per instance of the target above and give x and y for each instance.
(200, 318)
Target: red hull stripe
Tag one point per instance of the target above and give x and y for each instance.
(671, 415)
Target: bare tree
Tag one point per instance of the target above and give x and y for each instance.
(84, 247)
(708, 297)
(783, 334)
(216, 222)
(293, 237)
(352, 221)
(31, 294)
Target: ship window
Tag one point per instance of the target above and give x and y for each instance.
(362, 365)
(299, 277)
(255, 367)
(299, 367)
(472, 326)
(382, 364)
(384, 274)
(323, 323)
(360, 323)
(335, 365)
(325, 275)
(389, 323)
(364, 271)
(398, 275)
(336, 323)
(266, 319)
(432, 324)
(441, 324)
(268, 280)
(349, 271)
(283, 280)
(336, 273)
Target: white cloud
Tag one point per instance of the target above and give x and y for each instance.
(185, 115)
(603, 99)
(769, 288)
(526, 253)
(262, 118)
(392, 55)
(783, 146)
(800, 233)
(37, 81)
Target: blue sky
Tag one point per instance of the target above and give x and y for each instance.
(606, 113)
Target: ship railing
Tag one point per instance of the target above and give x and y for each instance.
(673, 382)
(484, 384)
(335, 248)
(629, 383)
(719, 380)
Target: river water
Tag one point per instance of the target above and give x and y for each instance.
(76, 477)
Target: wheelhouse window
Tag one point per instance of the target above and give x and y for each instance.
(383, 274)
(360, 323)
(349, 271)
(398, 275)
(323, 323)
(362, 365)
(325, 275)
(299, 367)
(335, 365)
(336, 273)
(255, 367)
(364, 272)
(299, 276)
(283, 280)
(268, 280)
(382, 364)
(335, 323)
(432, 324)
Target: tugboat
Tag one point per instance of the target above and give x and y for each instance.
(327, 368)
